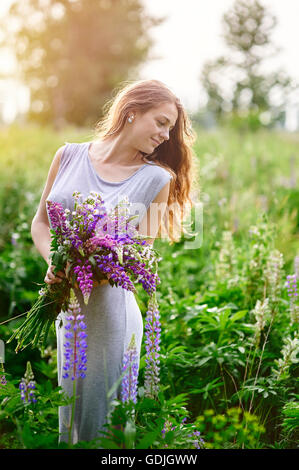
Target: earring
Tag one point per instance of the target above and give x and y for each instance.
(130, 119)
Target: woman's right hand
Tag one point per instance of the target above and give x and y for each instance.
(52, 278)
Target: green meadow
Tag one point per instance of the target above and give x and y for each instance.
(229, 338)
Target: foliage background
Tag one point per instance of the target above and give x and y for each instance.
(209, 362)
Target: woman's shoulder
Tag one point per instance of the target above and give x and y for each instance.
(70, 150)
(158, 171)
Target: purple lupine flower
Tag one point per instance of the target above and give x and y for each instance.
(89, 212)
(114, 271)
(95, 242)
(118, 226)
(84, 278)
(153, 332)
(3, 380)
(75, 346)
(102, 226)
(92, 214)
(292, 286)
(122, 229)
(75, 239)
(196, 443)
(148, 279)
(166, 428)
(130, 379)
(57, 217)
(27, 386)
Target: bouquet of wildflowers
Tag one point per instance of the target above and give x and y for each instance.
(90, 245)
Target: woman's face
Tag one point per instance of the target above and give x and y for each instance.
(152, 128)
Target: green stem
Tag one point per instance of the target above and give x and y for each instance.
(19, 430)
(73, 413)
(38, 333)
(13, 318)
(259, 364)
(31, 331)
(46, 333)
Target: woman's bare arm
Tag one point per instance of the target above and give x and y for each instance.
(151, 222)
(40, 229)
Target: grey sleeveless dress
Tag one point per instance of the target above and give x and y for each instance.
(112, 313)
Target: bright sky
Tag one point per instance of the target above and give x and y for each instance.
(192, 35)
(189, 36)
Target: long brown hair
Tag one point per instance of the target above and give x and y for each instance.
(175, 155)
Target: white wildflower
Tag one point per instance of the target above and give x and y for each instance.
(226, 264)
(289, 353)
(273, 274)
(261, 312)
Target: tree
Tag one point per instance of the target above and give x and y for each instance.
(236, 85)
(72, 53)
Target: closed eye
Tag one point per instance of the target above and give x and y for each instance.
(163, 124)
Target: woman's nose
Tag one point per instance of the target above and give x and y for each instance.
(165, 135)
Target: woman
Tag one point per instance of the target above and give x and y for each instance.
(142, 143)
